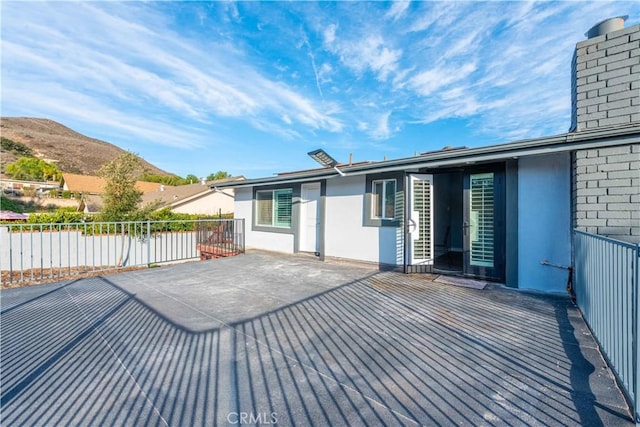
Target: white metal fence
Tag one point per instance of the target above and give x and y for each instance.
(37, 252)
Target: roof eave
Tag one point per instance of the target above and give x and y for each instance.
(629, 134)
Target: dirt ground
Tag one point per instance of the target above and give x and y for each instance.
(39, 276)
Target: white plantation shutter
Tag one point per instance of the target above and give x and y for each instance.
(481, 213)
(282, 201)
(421, 193)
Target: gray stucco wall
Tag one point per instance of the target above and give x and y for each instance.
(544, 222)
(606, 187)
(606, 86)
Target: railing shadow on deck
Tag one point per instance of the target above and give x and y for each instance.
(387, 349)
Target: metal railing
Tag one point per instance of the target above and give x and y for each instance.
(45, 252)
(606, 283)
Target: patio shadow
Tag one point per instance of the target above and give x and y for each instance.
(386, 349)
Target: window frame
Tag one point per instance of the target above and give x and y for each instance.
(383, 199)
(274, 208)
(295, 200)
(369, 220)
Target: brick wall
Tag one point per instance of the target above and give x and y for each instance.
(606, 187)
(606, 86)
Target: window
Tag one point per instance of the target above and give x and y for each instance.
(274, 208)
(383, 199)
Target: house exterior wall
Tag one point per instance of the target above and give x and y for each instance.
(606, 84)
(606, 192)
(544, 221)
(243, 208)
(209, 204)
(346, 236)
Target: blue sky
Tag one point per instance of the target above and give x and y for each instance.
(251, 87)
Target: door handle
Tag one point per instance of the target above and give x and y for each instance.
(465, 227)
(413, 225)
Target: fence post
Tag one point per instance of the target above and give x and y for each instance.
(148, 243)
(244, 235)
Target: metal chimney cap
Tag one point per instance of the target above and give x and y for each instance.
(607, 26)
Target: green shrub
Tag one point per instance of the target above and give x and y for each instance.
(61, 216)
(16, 148)
(11, 205)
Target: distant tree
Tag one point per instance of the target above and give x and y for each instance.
(218, 175)
(163, 179)
(191, 179)
(171, 179)
(30, 168)
(121, 198)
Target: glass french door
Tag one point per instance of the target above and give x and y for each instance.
(420, 219)
(483, 231)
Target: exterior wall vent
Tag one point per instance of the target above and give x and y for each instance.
(607, 26)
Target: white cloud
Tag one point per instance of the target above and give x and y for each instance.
(366, 70)
(143, 68)
(78, 108)
(439, 14)
(330, 34)
(398, 9)
(382, 130)
(324, 73)
(369, 53)
(433, 80)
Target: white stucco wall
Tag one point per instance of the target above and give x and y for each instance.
(544, 221)
(209, 204)
(345, 233)
(243, 208)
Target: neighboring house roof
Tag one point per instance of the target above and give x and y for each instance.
(178, 195)
(83, 183)
(148, 187)
(602, 137)
(90, 184)
(169, 196)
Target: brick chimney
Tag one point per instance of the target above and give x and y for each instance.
(606, 76)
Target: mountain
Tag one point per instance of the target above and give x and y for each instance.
(56, 143)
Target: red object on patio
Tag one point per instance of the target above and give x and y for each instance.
(208, 252)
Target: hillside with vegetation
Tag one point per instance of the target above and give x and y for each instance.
(55, 143)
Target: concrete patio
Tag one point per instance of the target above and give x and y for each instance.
(272, 339)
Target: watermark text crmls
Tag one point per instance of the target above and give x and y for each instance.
(261, 418)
